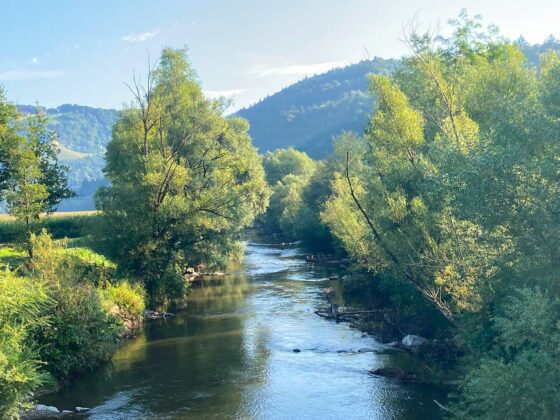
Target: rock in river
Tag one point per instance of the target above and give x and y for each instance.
(47, 408)
(414, 341)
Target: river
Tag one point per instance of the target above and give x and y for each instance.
(230, 355)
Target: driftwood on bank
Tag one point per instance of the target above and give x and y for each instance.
(345, 316)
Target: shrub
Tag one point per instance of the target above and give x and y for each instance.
(22, 306)
(519, 379)
(81, 333)
(88, 266)
(124, 299)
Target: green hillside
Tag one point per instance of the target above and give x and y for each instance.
(307, 114)
(80, 128)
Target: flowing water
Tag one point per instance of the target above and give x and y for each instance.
(230, 356)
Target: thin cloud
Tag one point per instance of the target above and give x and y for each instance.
(297, 69)
(213, 94)
(15, 75)
(34, 60)
(143, 37)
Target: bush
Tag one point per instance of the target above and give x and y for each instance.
(88, 266)
(124, 299)
(22, 306)
(519, 379)
(81, 333)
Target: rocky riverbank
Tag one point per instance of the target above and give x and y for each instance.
(437, 357)
(40, 411)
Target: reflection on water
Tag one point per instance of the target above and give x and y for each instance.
(230, 355)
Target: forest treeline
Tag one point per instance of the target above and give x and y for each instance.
(448, 206)
(304, 115)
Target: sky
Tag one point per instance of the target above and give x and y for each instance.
(77, 51)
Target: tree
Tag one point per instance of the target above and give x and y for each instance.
(284, 162)
(32, 181)
(185, 181)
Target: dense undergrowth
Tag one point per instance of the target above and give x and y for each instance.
(62, 312)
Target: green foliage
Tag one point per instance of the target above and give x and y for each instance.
(31, 181)
(89, 266)
(185, 182)
(22, 307)
(124, 299)
(284, 162)
(520, 381)
(81, 332)
(299, 188)
(455, 197)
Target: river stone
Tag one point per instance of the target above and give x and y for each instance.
(296, 350)
(43, 407)
(413, 341)
(65, 412)
(81, 409)
(366, 350)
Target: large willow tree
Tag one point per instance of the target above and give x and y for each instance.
(185, 181)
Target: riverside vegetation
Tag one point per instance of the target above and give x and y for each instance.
(185, 182)
(447, 206)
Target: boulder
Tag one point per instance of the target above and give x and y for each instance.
(66, 412)
(413, 341)
(47, 408)
(296, 350)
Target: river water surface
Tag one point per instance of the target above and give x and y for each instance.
(230, 356)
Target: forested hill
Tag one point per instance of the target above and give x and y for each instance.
(308, 113)
(79, 128)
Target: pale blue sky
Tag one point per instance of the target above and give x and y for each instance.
(70, 51)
